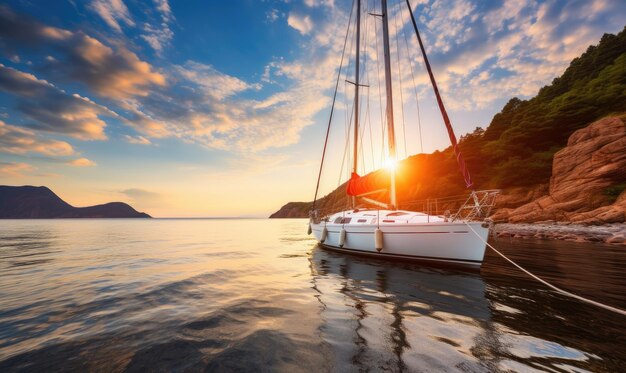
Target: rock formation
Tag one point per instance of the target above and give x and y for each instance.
(584, 173)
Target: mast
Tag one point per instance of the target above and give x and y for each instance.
(391, 133)
(356, 93)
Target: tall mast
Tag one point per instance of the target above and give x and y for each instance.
(356, 94)
(391, 133)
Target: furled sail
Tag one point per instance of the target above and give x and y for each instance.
(368, 184)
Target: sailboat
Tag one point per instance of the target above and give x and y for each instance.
(378, 228)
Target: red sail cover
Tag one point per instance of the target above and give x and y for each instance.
(361, 185)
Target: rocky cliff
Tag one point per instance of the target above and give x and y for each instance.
(587, 183)
(30, 202)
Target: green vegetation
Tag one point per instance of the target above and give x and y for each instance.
(517, 147)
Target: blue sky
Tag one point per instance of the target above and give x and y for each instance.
(196, 108)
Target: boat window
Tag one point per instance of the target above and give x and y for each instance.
(338, 220)
(346, 220)
(397, 214)
(388, 221)
(362, 221)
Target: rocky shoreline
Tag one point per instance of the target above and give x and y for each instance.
(614, 234)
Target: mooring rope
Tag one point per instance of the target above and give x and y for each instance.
(557, 289)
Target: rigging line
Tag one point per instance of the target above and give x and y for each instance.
(459, 157)
(380, 96)
(395, 22)
(546, 283)
(408, 56)
(332, 109)
(349, 108)
(369, 126)
(346, 147)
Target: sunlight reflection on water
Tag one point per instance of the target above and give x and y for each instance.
(258, 294)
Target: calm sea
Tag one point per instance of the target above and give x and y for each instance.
(258, 295)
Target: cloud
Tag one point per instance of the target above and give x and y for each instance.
(13, 169)
(213, 83)
(163, 6)
(206, 106)
(137, 140)
(317, 3)
(522, 45)
(112, 12)
(157, 37)
(303, 24)
(200, 104)
(272, 15)
(160, 35)
(116, 74)
(142, 197)
(82, 162)
(17, 140)
(110, 73)
(138, 193)
(52, 109)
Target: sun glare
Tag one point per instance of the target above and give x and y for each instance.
(391, 164)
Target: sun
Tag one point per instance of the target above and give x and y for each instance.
(391, 164)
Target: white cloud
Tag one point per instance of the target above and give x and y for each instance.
(157, 37)
(112, 12)
(15, 169)
(137, 140)
(18, 140)
(272, 15)
(214, 83)
(303, 24)
(318, 3)
(53, 109)
(82, 162)
(163, 6)
(160, 35)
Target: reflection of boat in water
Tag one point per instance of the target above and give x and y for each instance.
(376, 228)
(392, 316)
(381, 315)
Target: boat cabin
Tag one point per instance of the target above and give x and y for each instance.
(382, 217)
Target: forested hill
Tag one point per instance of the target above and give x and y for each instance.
(520, 141)
(517, 148)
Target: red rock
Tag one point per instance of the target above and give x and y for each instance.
(593, 160)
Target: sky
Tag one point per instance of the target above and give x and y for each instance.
(219, 108)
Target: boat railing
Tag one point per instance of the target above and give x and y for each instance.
(475, 206)
(478, 205)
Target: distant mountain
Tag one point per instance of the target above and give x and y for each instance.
(30, 202)
(516, 150)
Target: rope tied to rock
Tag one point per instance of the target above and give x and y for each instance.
(557, 289)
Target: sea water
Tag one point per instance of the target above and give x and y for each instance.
(259, 295)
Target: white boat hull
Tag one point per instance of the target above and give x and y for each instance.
(452, 242)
